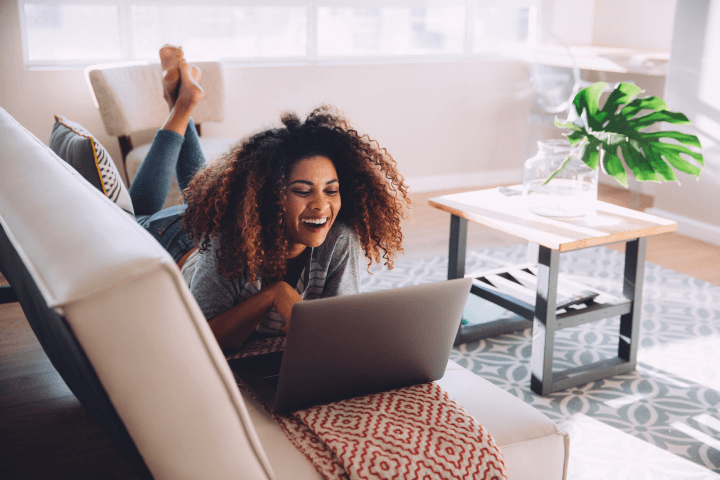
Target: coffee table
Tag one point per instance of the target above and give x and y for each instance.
(511, 288)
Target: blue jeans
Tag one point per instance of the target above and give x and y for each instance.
(170, 154)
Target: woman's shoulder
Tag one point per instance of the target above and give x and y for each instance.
(208, 262)
(341, 232)
(340, 240)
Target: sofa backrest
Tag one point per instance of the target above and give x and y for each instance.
(116, 319)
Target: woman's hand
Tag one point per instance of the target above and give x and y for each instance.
(232, 327)
(284, 297)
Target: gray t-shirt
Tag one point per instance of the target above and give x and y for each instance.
(331, 270)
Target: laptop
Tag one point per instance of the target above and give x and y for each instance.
(353, 345)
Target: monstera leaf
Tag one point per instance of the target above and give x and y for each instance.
(616, 130)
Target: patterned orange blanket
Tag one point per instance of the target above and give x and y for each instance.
(415, 432)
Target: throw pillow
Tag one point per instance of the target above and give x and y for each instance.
(74, 144)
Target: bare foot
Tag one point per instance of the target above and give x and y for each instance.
(190, 92)
(170, 58)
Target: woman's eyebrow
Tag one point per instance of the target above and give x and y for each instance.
(308, 182)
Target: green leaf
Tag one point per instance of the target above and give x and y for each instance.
(590, 155)
(679, 149)
(577, 136)
(618, 128)
(672, 156)
(640, 167)
(612, 165)
(588, 99)
(649, 103)
(659, 165)
(623, 93)
(677, 162)
(691, 140)
(569, 125)
(664, 116)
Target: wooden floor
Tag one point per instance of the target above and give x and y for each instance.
(45, 433)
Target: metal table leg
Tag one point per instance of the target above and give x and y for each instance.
(458, 247)
(545, 321)
(456, 269)
(632, 290)
(456, 257)
(544, 381)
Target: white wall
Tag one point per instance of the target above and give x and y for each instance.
(645, 24)
(446, 124)
(571, 20)
(691, 87)
(634, 23)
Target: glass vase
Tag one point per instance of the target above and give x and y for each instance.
(571, 193)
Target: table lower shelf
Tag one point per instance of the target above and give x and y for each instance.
(576, 303)
(483, 319)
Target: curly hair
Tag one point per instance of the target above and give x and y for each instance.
(240, 197)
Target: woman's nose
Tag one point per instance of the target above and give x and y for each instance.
(317, 202)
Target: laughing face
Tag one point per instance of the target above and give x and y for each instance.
(312, 203)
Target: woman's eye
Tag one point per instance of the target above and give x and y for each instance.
(301, 192)
(331, 192)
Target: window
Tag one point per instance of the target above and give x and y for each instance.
(73, 32)
(220, 31)
(69, 32)
(388, 31)
(501, 28)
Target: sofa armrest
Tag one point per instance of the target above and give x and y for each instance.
(95, 277)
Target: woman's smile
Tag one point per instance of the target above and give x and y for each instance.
(312, 203)
(315, 222)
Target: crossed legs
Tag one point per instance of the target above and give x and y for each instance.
(176, 147)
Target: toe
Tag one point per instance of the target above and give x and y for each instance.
(170, 56)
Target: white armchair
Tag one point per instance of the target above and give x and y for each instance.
(130, 99)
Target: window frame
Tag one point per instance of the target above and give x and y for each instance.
(311, 57)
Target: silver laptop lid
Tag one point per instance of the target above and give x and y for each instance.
(353, 345)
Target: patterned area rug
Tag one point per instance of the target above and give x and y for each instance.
(661, 421)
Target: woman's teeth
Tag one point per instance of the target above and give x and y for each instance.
(315, 221)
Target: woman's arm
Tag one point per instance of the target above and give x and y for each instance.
(232, 327)
(232, 322)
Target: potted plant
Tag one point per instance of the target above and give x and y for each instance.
(611, 138)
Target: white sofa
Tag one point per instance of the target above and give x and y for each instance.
(116, 319)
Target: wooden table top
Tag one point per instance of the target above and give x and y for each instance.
(509, 214)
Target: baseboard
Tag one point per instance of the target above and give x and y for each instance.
(449, 181)
(689, 227)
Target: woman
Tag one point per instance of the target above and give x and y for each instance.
(283, 217)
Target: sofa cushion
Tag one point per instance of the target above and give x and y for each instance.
(74, 144)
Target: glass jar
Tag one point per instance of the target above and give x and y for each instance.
(571, 193)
